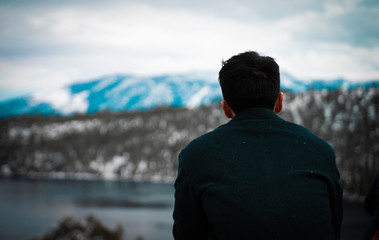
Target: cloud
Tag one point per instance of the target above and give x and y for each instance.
(331, 61)
(47, 44)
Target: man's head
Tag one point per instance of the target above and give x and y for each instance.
(249, 80)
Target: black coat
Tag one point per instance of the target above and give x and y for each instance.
(257, 177)
(371, 205)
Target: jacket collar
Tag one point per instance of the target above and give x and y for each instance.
(256, 113)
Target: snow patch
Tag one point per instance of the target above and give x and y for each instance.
(196, 99)
(109, 169)
(124, 84)
(104, 83)
(62, 100)
(160, 94)
(6, 171)
(288, 83)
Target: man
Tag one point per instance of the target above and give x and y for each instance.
(258, 176)
(371, 205)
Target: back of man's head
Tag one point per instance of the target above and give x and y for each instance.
(249, 80)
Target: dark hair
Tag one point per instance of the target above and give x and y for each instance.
(249, 80)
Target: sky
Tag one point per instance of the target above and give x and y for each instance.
(46, 44)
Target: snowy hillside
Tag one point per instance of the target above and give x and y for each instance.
(117, 93)
(126, 92)
(144, 145)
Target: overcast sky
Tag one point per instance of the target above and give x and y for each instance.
(49, 43)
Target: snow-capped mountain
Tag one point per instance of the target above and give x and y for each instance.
(126, 92)
(117, 93)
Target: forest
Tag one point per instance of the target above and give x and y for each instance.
(143, 145)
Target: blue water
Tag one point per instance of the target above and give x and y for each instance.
(28, 208)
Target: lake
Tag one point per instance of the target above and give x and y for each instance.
(29, 208)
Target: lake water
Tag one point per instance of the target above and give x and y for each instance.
(29, 208)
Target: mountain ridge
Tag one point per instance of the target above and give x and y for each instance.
(128, 92)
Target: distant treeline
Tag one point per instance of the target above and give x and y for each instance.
(144, 145)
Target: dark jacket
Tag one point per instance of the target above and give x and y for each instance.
(371, 205)
(257, 177)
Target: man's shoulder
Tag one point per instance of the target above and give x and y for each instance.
(223, 133)
(312, 139)
(207, 140)
(204, 147)
(279, 133)
(306, 132)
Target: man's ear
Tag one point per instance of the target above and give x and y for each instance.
(227, 110)
(279, 103)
